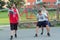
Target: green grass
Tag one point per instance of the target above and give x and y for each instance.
(4, 20)
(52, 14)
(3, 14)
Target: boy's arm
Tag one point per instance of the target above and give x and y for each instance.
(18, 15)
(48, 16)
(8, 12)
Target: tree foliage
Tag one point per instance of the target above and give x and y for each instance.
(17, 2)
(2, 3)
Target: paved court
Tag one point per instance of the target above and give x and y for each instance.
(28, 34)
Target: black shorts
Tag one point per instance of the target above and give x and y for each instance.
(45, 23)
(13, 26)
(40, 24)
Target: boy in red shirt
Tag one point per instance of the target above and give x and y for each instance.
(14, 19)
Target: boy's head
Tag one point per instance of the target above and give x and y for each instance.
(14, 6)
(10, 7)
(43, 7)
(39, 12)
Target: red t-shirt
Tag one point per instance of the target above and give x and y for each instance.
(13, 16)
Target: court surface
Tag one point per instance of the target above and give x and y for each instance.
(28, 34)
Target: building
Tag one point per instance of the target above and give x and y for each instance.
(49, 3)
(30, 3)
(58, 2)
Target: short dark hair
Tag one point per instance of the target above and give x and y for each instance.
(10, 6)
(44, 6)
(39, 11)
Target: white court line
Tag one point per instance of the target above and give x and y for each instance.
(4, 26)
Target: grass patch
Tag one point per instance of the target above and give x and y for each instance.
(4, 21)
(3, 14)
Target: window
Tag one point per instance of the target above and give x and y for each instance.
(54, 2)
(48, 3)
(28, 3)
(38, 0)
(58, 0)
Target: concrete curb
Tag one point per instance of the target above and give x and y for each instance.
(4, 26)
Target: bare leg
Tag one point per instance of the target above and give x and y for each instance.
(12, 33)
(37, 28)
(42, 30)
(16, 33)
(48, 30)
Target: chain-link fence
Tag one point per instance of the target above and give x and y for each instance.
(32, 22)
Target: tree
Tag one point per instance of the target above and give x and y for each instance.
(39, 7)
(18, 3)
(57, 12)
(2, 3)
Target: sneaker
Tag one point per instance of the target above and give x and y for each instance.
(41, 33)
(48, 34)
(11, 38)
(15, 35)
(36, 35)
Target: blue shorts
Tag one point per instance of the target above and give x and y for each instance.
(40, 24)
(45, 23)
(49, 23)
